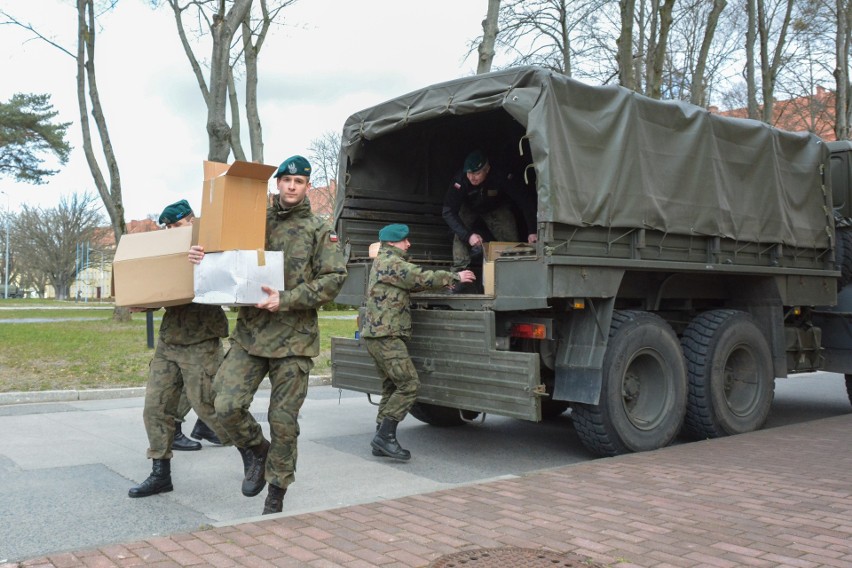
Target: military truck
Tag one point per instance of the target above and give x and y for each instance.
(684, 259)
(14, 291)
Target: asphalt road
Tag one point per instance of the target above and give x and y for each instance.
(65, 467)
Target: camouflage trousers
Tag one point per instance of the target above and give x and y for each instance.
(237, 382)
(183, 407)
(173, 370)
(400, 382)
(500, 223)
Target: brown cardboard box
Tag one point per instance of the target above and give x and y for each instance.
(151, 270)
(490, 252)
(233, 206)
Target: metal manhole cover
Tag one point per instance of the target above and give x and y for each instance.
(512, 557)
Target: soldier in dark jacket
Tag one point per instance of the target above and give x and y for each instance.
(279, 336)
(387, 328)
(187, 356)
(478, 208)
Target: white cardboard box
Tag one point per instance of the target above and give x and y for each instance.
(235, 277)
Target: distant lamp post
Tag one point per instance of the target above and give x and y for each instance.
(6, 272)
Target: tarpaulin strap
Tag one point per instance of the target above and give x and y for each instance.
(449, 102)
(261, 257)
(526, 179)
(405, 118)
(521, 144)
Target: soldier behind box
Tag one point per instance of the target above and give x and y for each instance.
(186, 359)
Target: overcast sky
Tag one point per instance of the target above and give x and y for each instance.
(331, 59)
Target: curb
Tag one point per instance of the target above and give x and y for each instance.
(8, 398)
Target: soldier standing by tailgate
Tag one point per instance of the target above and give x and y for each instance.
(279, 336)
(387, 328)
(188, 354)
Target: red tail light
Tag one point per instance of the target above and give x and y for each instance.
(529, 331)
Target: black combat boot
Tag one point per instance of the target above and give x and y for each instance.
(254, 480)
(385, 441)
(202, 431)
(378, 453)
(274, 500)
(245, 453)
(160, 481)
(181, 443)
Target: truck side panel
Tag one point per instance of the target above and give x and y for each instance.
(457, 363)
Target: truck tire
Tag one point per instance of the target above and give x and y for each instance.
(843, 256)
(849, 387)
(441, 416)
(731, 383)
(643, 395)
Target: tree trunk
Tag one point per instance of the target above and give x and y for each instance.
(489, 37)
(841, 71)
(751, 83)
(697, 96)
(222, 30)
(110, 195)
(625, 45)
(665, 22)
(234, 106)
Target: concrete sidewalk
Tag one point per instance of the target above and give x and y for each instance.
(777, 497)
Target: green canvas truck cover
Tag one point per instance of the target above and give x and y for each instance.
(609, 157)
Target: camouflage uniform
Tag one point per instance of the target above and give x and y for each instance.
(486, 209)
(188, 354)
(282, 343)
(387, 325)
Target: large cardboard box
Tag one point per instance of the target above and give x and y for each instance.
(152, 270)
(233, 206)
(491, 251)
(235, 277)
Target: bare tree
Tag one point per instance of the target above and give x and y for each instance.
(47, 239)
(221, 19)
(546, 33)
(699, 78)
(489, 37)
(768, 23)
(324, 153)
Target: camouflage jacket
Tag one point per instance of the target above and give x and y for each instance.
(314, 271)
(392, 279)
(189, 324)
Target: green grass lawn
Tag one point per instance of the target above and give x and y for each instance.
(52, 345)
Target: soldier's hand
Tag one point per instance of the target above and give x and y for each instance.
(196, 254)
(467, 276)
(532, 238)
(474, 240)
(272, 300)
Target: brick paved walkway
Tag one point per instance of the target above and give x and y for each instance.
(779, 497)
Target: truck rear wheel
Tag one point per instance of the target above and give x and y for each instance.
(729, 364)
(442, 416)
(643, 396)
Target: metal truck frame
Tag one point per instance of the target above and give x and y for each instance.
(684, 260)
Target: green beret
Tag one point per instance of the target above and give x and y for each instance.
(475, 161)
(393, 233)
(175, 212)
(294, 166)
